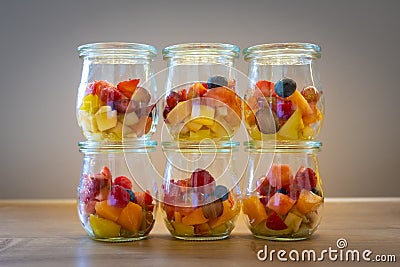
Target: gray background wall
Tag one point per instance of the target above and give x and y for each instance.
(40, 71)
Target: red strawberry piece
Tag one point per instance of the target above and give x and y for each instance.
(127, 88)
(167, 109)
(125, 105)
(173, 99)
(283, 109)
(109, 95)
(200, 178)
(96, 87)
(183, 94)
(106, 172)
(266, 88)
(118, 196)
(305, 178)
(144, 199)
(124, 182)
(274, 222)
(264, 188)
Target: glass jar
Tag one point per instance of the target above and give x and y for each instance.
(283, 196)
(285, 99)
(200, 99)
(117, 203)
(200, 193)
(117, 93)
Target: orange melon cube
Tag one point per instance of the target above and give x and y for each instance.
(131, 217)
(254, 209)
(106, 211)
(178, 217)
(280, 175)
(308, 201)
(226, 215)
(196, 217)
(298, 100)
(280, 203)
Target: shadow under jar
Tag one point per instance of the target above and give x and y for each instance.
(200, 99)
(284, 100)
(117, 93)
(114, 204)
(283, 196)
(200, 192)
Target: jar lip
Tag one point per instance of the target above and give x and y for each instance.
(204, 145)
(201, 49)
(117, 49)
(125, 146)
(274, 49)
(274, 146)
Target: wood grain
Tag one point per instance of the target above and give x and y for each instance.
(50, 234)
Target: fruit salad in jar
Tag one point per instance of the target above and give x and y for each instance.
(203, 110)
(286, 206)
(282, 111)
(197, 208)
(111, 112)
(110, 210)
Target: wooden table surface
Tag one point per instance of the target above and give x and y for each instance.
(46, 233)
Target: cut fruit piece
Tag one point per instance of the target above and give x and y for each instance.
(254, 209)
(202, 111)
(298, 100)
(90, 103)
(117, 130)
(107, 211)
(196, 217)
(193, 126)
(274, 222)
(226, 215)
(104, 228)
(131, 217)
(314, 117)
(220, 128)
(202, 229)
(128, 87)
(280, 176)
(293, 221)
(280, 203)
(200, 134)
(106, 118)
(308, 201)
(182, 229)
(178, 217)
(179, 112)
(87, 121)
(290, 130)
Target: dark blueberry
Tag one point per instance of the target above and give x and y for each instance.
(285, 87)
(221, 192)
(316, 191)
(282, 191)
(131, 194)
(216, 81)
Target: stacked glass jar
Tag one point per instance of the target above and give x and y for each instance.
(202, 112)
(283, 113)
(116, 110)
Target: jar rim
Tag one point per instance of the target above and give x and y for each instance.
(116, 49)
(192, 146)
(201, 49)
(135, 146)
(282, 146)
(274, 49)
